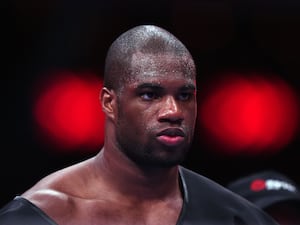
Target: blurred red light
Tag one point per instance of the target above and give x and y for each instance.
(68, 110)
(254, 115)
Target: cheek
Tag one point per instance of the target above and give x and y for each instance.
(190, 113)
(134, 116)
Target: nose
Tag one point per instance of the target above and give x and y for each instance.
(170, 111)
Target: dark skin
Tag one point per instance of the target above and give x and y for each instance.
(134, 179)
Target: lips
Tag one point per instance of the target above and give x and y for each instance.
(171, 136)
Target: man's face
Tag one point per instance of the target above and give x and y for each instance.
(157, 111)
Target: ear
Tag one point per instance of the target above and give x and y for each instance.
(108, 100)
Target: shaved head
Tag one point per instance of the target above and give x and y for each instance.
(144, 39)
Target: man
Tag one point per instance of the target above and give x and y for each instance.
(149, 98)
(273, 192)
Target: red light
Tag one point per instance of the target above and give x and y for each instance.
(69, 112)
(250, 115)
(258, 185)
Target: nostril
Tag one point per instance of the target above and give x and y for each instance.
(174, 120)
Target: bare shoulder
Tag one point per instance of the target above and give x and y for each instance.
(55, 194)
(76, 196)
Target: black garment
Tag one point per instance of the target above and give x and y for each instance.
(208, 203)
(20, 211)
(205, 203)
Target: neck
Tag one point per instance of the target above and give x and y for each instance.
(134, 181)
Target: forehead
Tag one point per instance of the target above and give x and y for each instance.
(160, 67)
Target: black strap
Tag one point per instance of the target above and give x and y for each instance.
(20, 211)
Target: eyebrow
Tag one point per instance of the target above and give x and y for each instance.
(158, 86)
(149, 85)
(188, 87)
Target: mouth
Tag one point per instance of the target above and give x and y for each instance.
(171, 136)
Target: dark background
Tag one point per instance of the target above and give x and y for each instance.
(74, 35)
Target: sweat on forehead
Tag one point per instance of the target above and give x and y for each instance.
(145, 39)
(161, 63)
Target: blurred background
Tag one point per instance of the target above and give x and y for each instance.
(246, 53)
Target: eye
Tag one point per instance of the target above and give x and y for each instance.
(148, 95)
(185, 96)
